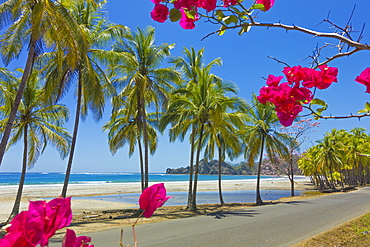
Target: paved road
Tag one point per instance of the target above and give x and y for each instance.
(276, 225)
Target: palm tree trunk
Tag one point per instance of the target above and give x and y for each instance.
(191, 166)
(222, 203)
(22, 85)
(141, 164)
(291, 177)
(194, 197)
(258, 193)
(146, 147)
(18, 198)
(74, 138)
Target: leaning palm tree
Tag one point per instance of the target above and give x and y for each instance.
(36, 24)
(144, 83)
(92, 84)
(258, 136)
(38, 124)
(191, 61)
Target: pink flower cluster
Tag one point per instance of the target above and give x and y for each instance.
(161, 12)
(289, 96)
(41, 221)
(152, 198)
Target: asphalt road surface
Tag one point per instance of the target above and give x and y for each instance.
(282, 224)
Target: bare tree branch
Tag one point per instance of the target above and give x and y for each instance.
(339, 37)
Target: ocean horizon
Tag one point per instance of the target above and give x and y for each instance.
(50, 178)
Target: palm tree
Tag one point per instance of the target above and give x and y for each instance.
(123, 128)
(330, 155)
(258, 136)
(41, 23)
(220, 134)
(188, 65)
(199, 104)
(145, 85)
(92, 84)
(354, 145)
(222, 137)
(38, 124)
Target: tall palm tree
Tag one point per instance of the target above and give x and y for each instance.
(199, 104)
(258, 136)
(144, 83)
(38, 124)
(191, 61)
(36, 24)
(92, 84)
(221, 134)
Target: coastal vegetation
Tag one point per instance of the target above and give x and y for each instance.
(340, 159)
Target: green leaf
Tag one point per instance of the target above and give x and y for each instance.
(175, 15)
(366, 109)
(367, 106)
(230, 19)
(245, 28)
(219, 14)
(258, 6)
(317, 101)
(222, 30)
(320, 103)
(190, 13)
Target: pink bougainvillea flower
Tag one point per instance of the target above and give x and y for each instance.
(49, 217)
(294, 74)
(159, 13)
(156, 1)
(273, 80)
(185, 4)
(16, 238)
(38, 224)
(186, 22)
(328, 75)
(230, 2)
(301, 94)
(287, 98)
(24, 231)
(288, 113)
(152, 198)
(70, 240)
(320, 79)
(364, 78)
(208, 5)
(267, 3)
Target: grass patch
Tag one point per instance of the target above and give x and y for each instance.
(350, 234)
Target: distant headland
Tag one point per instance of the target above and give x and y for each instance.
(211, 168)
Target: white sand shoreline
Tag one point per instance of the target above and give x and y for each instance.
(37, 192)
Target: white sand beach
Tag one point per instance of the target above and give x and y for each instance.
(37, 192)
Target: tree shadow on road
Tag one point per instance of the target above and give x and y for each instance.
(242, 213)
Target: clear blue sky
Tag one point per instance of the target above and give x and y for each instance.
(245, 62)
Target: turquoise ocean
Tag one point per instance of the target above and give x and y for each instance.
(45, 178)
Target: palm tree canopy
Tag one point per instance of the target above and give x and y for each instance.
(44, 123)
(260, 121)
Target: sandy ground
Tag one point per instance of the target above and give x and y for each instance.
(30, 192)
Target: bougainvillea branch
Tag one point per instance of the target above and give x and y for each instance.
(337, 36)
